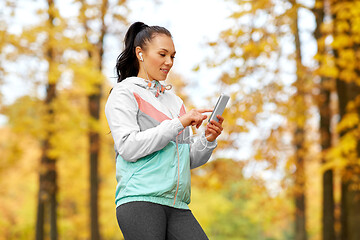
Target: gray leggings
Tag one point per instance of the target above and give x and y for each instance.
(150, 221)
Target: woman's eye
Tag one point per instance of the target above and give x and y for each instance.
(163, 55)
(172, 57)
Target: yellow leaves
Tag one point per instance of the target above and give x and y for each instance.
(345, 151)
(342, 26)
(328, 71)
(207, 204)
(339, 156)
(327, 66)
(18, 182)
(318, 4)
(349, 121)
(250, 48)
(348, 75)
(355, 27)
(253, 49)
(237, 15)
(10, 150)
(342, 10)
(327, 28)
(26, 116)
(54, 73)
(342, 41)
(228, 80)
(196, 68)
(348, 144)
(355, 8)
(347, 59)
(87, 77)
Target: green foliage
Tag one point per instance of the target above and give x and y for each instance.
(230, 206)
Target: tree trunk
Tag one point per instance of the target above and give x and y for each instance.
(342, 95)
(328, 219)
(94, 142)
(348, 91)
(300, 216)
(47, 204)
(94, 103)
(350, 185)
(350, 190)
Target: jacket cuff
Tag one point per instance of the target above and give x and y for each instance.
(178, 125)
(208, 144)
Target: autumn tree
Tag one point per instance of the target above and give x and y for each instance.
(345, 45)
(326, 87)
(3, 43)
(256, 53)
(21, 46)
(95, 55)
(94, 14)
(47, 42)
(300, 115)
(47, 202)
(38, 43)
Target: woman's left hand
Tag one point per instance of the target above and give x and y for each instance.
(214, 129)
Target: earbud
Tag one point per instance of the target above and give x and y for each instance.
(141, 57)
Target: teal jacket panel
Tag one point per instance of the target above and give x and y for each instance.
(160, 177)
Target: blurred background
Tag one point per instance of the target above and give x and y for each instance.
(287, 163)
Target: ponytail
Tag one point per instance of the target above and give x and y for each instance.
(138, 34)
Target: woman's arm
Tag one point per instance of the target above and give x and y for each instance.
(201, 150)
(131, 143)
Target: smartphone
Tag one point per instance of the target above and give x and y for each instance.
(219, 107)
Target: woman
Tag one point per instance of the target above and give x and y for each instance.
(151, 134)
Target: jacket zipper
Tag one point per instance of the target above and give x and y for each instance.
(178, 168)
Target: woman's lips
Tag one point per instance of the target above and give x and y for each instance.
(165, 70)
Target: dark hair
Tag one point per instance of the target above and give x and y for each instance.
(138, 34)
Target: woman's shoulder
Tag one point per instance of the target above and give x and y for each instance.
(124, 86)
(121, 95)
(172, 95)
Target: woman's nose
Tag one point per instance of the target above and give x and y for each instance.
(169, 61)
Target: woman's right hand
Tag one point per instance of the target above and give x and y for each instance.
(194, 117)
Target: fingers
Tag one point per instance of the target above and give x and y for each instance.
(195, 117)
(221, 119)
(211, 132)
(218, 124)
(197, 120)
(200, 121)
(205, 110)
(215, 128)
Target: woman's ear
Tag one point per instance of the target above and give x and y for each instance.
(139, 54)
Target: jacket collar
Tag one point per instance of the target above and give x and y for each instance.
(154, 86)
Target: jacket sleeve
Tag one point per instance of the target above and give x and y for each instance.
(200, 151)
(130, 143)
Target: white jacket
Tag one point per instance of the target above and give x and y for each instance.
(154, 152)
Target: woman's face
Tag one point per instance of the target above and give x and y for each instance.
(158, 58)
